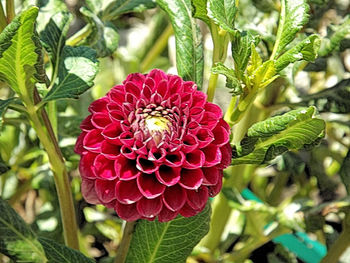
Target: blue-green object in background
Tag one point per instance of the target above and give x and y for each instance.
(306, 249)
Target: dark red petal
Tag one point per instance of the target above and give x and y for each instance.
(196, 114)
(157, 155)
(191, 179)
(136, 78)
(212, 155)
(128, 152)
(88, 191)
(93, 140)
(146, 92)
(186, 100)
(145, 165)
(157, 75)
(209, 120)
(211, 175)
(86, 124)
(99, 105)
(127, 192)
(162, 88)
(117, 94)
(127, 212)
(215, 189)
(127, 138)
(112, 132)
(187, 211)
(197, 198)
(132, 88)
(199, 99)
(174, 159)
(86, 164)
(190, 143)
(100, 120)
(213, 108)
(104, 168)
(194, 159)
(149, 207)
(110, 151)
(149, 186)
(174, 197)
(168, 175)
(117, 115)
(221, 135)
(204, 136)
(174, 84)
(105, 190)
(79, 147)
(189, 86)
(226, 152)
(126, 168)
(166, 215)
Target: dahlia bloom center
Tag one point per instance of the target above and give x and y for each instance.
(153, 147)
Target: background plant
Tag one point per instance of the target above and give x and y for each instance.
(263, 51)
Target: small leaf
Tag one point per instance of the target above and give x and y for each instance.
(241, 48)
(189, 48)
(264, 74)
(200, 10)
(265, 140)
(20, 53)
(305, 50)
(77, 70)
(293, 16)
(57, 253)
(232, 82)
(17, 240)
(345, 172)
(223, 13)
(340, 32)
(151, 240)
(104, 37)
(334, 99)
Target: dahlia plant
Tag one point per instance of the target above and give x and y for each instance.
(174, 131)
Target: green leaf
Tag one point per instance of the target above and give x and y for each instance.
(104, 37)
(189, 48)
(223, 13)
(53, 36)
(17, 240)
(334, 99)
(57, 253)
(264, 74)
(232, 82)
(200, 10)
(332, 43)
(20, 54)
(3, 166)
(169, 242)
(305, 50)
(345, 172)
(77, 69)
(242, 48)
(265, 140)
(3, 106)
(293, 16)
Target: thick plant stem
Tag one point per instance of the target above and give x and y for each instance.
(45, 134)
(125, 243)
(10, 10)
(157, 48)
(340, 245)
(79, 36)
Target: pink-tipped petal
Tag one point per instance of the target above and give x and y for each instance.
(149, 208)
(93, 140)
(168, 175)
(104, 168)
(86, 164)
(126, 168)
(194, 159)
(127, 212)
(149, 186)
(212, 155)
(191, 179)
(174, 197)
(127, 192)
(105, 190)
(88, 191)
(166, 215)
(211, 175)
(145, 165)
(197, 199)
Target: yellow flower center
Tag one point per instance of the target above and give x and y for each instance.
(157, 124)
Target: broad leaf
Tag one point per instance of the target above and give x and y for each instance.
(293, 16)
(17, 240)
(151, 240)
(20, 54)
(223, 13)
(77, 69)
(57, 253)
(189, 48)
(242, 48)
(264, 74)
(340, 32)
(200, 10)
(345, 172)
(3, 106)
(265, 140)
(104, 37)
(53, 36)
(334, 99)
(305, 50)
(232, 83)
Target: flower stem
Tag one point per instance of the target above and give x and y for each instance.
(157, 48)
(125, 242)
(340, 245)
(10, 10)
(79, 36)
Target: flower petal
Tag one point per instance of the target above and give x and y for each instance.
(93, 140)
(212, 155)
(105, 190)
(174, 197)
(85, 165)
(166, 215)
(194, 159)
(191, 179)
(126, 168)
(110, 151)
(104, 168)
(127, 212)
(145, 165)
(168, 175)
(197, 198)
(149, 186)
(88, 191)
(211, 175)
(149, 207)
(127, 192)
(174, 159)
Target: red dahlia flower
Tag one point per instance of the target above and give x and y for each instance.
(153, 147)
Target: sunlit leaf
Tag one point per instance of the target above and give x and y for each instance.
(223, 13)
(200, 10)
(189, 49)
(294, 130)
(152, 241)
(17, 240)
(232, 83)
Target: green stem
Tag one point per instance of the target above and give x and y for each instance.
(279, 31)
(157, 48)
(125, 242)
(10, 10)
(340, 245)
(79, 36)
(3, 21)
